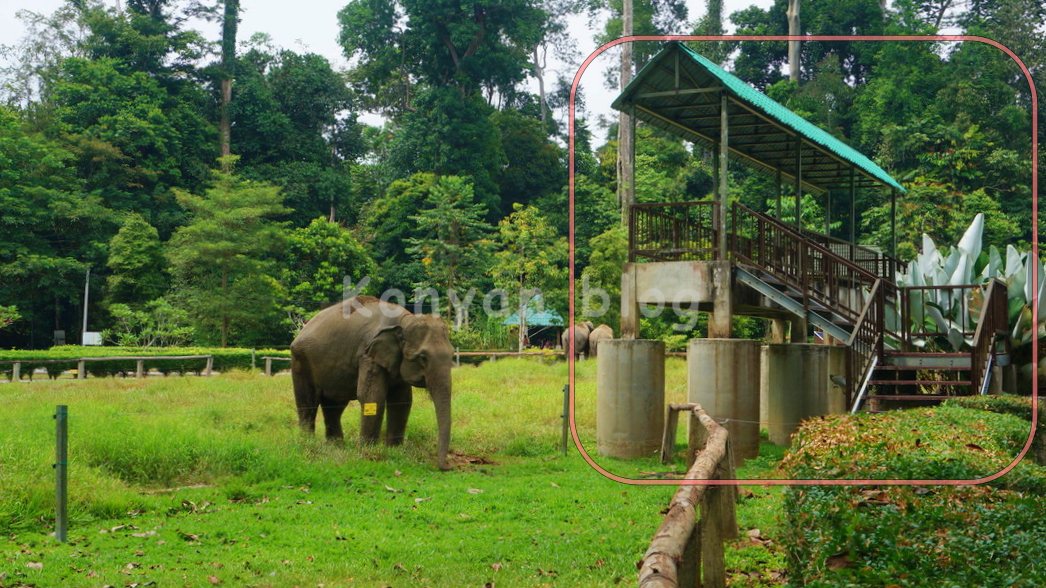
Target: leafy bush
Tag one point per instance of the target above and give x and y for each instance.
(984, 535)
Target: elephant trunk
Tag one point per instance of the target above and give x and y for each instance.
(441, 399)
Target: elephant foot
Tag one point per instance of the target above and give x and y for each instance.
(393, 441)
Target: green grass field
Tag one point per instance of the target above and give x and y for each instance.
(197, 481)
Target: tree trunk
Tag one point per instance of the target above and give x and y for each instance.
(539, 74)
(793, 46)
(625, 146)
(229, 26)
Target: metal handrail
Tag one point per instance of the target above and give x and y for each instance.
(993, 314)
(865, 344)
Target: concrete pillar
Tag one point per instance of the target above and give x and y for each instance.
(795, 387)
(719, 324)
(835, 400)
(630, 397)
(798, 329)
(722, 377)
(778, 331)
(629, 303)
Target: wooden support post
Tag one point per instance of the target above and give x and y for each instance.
(629, 305)
(893, 223)
(61, 468)
(16, 371)
(798, 182)
(690, 564)
(853, 206)
(668, 440)
(713, 568)
(457, 357)
(210, 365)
(780, 212)
(81, 370)
(828, 213)
(724, 150)
(139, 369)
(268, 366)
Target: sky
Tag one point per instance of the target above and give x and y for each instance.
(312, 26)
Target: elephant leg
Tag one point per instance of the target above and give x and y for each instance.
(400, 399)
(305, 398)
(332, 419)
(371, 391)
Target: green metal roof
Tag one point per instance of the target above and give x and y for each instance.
(545, 318)
(679, 89)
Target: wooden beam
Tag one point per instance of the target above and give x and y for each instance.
(711, 141)
(679, 92)
(853, 208)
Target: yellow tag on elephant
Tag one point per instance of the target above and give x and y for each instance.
(370, 408)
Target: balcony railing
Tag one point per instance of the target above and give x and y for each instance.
(674, 231)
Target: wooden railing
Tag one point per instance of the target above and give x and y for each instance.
(831, 280)
(686, 551)
(992, 323)
(81, 363)
(865, 345)
(673, 231)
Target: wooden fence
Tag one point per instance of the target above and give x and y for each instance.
(687, 551)
(81, 363)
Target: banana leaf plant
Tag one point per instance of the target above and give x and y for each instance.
(945, 312)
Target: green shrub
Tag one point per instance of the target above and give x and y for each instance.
(983, 535)
(225, 359)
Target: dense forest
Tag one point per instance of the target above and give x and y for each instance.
(221, 190)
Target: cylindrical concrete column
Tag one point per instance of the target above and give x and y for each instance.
(630, 397)
(795, 386)
(723, 377)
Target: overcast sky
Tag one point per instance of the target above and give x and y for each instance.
(312, 25)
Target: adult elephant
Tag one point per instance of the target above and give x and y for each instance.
(597, 336)
(373, 351)
(579, 334)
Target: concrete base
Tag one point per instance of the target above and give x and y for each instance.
(630, 397)
(795, 386)
(722, 376)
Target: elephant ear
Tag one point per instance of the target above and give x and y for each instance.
(386, 348)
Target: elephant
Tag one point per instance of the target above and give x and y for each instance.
(580, 335)
(598, 335)
(373, 351)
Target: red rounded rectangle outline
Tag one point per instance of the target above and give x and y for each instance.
(810, 482)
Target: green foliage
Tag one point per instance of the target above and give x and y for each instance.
(136, 262)
(530, 257)
(603, 271)
(455, 245)
(449, 134)
(158, 325)
(914, 535)
(8, 315)
(219, 259)
(386, 229)
(319, 259)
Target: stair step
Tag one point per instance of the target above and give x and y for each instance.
(920, 383)
(911, 397)
(943, 368)
(928, 353)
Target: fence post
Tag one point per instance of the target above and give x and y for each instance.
(210, 365)
(457, 357)
(139, 371)
(81, 370)
(252, 361)
(566, 415)
(16, 371)
(712, 564)
(689, 569)
(268, 366)
(61, 417)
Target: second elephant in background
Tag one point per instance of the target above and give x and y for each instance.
(598, 335)
(579, 334)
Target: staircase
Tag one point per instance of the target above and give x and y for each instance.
(850, 293)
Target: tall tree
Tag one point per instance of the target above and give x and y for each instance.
(793, 45)
(625, 129)
(136, 263)
(230, 23)
(220, 258)
(530, 260)
(455, 245)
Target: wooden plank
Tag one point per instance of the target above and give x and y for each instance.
(668, 441)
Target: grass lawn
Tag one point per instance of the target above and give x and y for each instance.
(203, 481)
